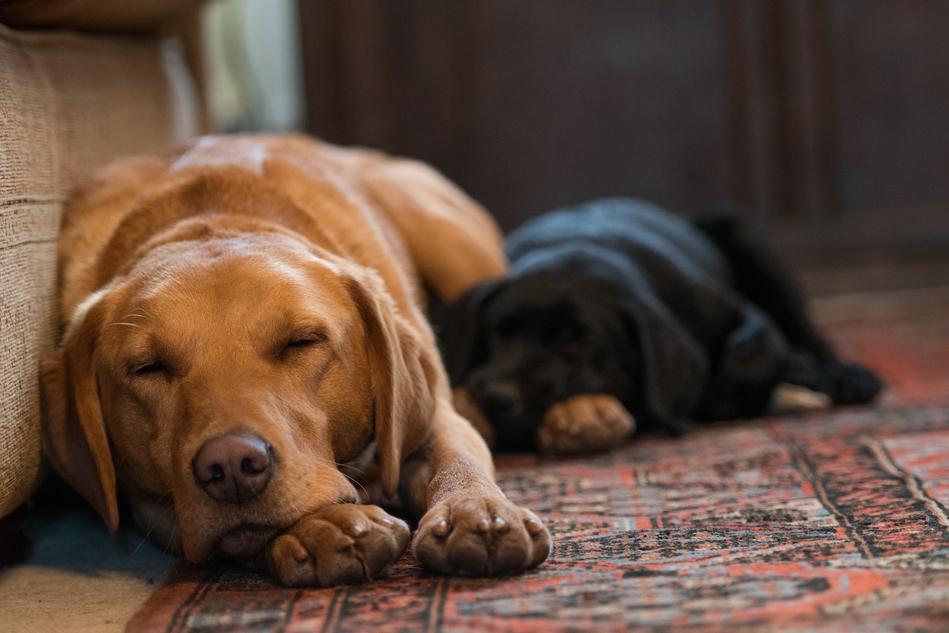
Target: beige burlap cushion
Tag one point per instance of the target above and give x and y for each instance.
(68, 104)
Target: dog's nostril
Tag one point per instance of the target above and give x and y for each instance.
(217, 473)
(233, 468)
(258, 461)
(248, 466)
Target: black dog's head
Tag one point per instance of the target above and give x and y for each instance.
(563, 325)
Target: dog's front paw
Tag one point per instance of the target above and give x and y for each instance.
(586, 423)
(340, 544)
(480, 536)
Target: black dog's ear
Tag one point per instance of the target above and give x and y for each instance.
(461, 331)
(673, 367)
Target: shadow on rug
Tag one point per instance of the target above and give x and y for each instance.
(833, 521)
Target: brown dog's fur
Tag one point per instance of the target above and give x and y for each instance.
(274, 284)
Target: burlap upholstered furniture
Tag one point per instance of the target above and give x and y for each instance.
(69, 102)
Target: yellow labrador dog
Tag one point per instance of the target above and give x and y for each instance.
(245, 344)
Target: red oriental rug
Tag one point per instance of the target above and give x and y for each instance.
(826, 522)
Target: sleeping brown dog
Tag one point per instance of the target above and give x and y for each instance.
(245, 345)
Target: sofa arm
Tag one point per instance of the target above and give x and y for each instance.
(68, 104)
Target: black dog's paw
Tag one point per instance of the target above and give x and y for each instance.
(849, 383)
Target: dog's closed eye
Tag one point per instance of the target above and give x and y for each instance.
(302, 341)
(148, 368)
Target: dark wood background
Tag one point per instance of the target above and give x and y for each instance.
(827, 119)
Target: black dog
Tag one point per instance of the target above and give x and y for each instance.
(670, 319)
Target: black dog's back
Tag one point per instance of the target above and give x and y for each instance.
(636, 227)
(665, 255)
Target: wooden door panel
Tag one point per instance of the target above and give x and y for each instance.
(827, 119)
(564, 109)
(891, 63)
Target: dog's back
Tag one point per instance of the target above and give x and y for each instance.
(638, 228)
(669, 256)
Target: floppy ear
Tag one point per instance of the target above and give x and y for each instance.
(403, 377)
(74, 435)
(461, 331)
(673, 367)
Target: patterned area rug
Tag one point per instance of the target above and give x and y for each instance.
(826, 522)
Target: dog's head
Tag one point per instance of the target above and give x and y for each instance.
(564, 323)
(223, 382)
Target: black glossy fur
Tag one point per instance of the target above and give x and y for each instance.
(678, 320)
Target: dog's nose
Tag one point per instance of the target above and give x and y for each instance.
(233, 468)
(503, 397)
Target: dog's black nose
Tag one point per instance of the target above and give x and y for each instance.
(502, 397)
(233, 468)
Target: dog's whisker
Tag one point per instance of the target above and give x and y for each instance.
(172, 533)
(358, 484)
(125, 323)
(351, 479)
(352, 467)
(149, 528)
(148, 532)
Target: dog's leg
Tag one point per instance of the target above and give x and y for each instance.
(750, 364)
(467, 525)
(761, 278)
(844, 383)
(466, 406)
